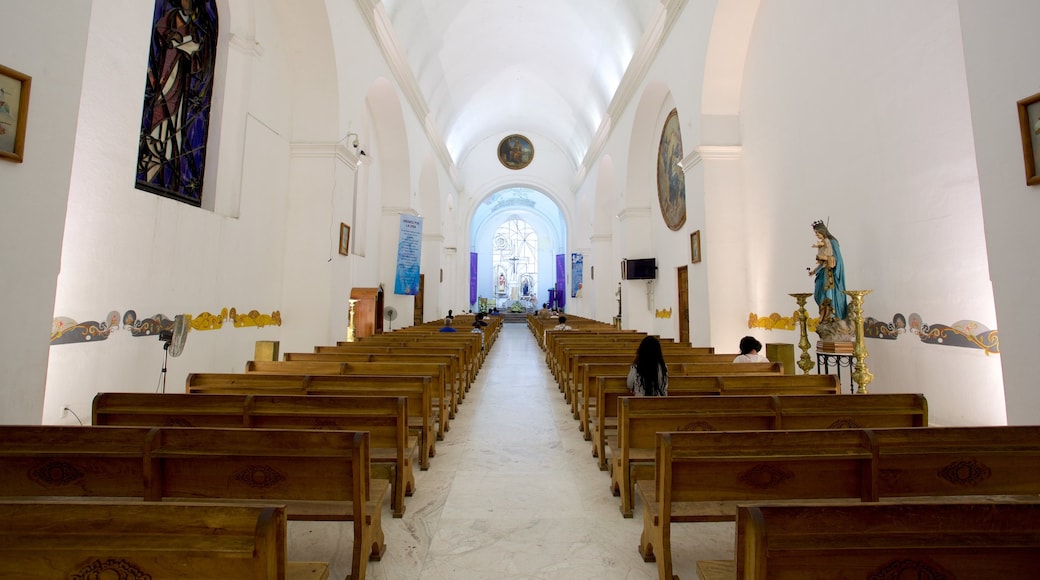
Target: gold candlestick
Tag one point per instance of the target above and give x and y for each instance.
(861, 375)
(805, 361)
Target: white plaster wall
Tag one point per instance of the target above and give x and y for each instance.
(45, 40)
(1000, 48)
(127, 249)
(858, 112)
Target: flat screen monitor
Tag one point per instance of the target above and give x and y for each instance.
(639, 269)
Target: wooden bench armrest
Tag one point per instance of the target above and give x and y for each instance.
(307, 571)
(717, 569)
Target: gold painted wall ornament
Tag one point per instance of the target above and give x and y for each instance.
(65, 330)
(207, 321)
(662, 313)
(254, 318)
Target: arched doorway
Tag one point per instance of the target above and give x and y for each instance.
(518, 237)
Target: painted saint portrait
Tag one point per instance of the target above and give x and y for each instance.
(515, 152)
(671, 182)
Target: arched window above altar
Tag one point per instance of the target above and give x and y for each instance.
(515, 261)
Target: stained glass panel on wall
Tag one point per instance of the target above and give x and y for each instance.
(177, 98)
(515, 262)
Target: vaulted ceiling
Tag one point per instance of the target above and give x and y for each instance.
(555, 69)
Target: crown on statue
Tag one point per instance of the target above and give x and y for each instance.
(817, 224)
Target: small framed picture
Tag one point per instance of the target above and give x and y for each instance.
(14, 111)
(344, 239)
(695, 247)
(1029, 122)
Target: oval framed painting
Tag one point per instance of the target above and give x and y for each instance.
(515, 151)
(671, 182)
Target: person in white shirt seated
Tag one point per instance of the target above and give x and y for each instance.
(749, 348)
(562, 324)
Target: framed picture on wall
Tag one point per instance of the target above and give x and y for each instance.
(1029, 123)
(14, 112)
(695, 247)
(344, 239)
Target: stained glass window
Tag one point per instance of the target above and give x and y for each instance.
(515, 260)
(178, 94)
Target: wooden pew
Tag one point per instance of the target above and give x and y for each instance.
(641, 418)
(947, 540)
(418, 390)
(591, 372)
(85, 539)
(702, 476)
(384, 418)
(470, 343)
(576, 356)
(458, 379)
(601, 416)
(573, 379)
(443, 396)
(466, 367)
(317, 475)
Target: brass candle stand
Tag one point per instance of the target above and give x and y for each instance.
(805, 361)
(351, 336)
(861, 374)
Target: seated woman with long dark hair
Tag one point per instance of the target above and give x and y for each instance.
(648, 375)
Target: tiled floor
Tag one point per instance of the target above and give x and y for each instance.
(513, 492)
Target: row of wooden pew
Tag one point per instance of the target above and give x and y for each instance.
(706, 453)
(319, 436)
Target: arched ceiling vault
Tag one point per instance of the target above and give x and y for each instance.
(478, 69)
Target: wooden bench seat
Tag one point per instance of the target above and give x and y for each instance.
(418, 390)
(590, 372)
(459, 381)
(945, 540)
(608, 389)
(442, 397)
(703, 476)
(384, 418)
(317, 475)
(632, 449)
(467, 366)
(189, 541)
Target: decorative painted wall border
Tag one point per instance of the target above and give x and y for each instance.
(65, 330)
(963, 333)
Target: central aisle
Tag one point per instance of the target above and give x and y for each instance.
(513, 493)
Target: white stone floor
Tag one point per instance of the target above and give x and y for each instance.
(513, 493)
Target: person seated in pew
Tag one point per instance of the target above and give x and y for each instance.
(480, 320)
(478, 328)
(562, 324)
(749, 351)
(648, 375)
(447, 325)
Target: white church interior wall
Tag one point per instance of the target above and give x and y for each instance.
(1000, 48)
(125, 249)
(872, 131)
(50, 50)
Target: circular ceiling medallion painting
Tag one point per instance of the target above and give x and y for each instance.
(515, 152)
(671, 182)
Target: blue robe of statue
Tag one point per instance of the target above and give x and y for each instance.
(837, 291)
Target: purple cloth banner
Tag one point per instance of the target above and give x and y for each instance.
(561, 280)
(472, 278)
